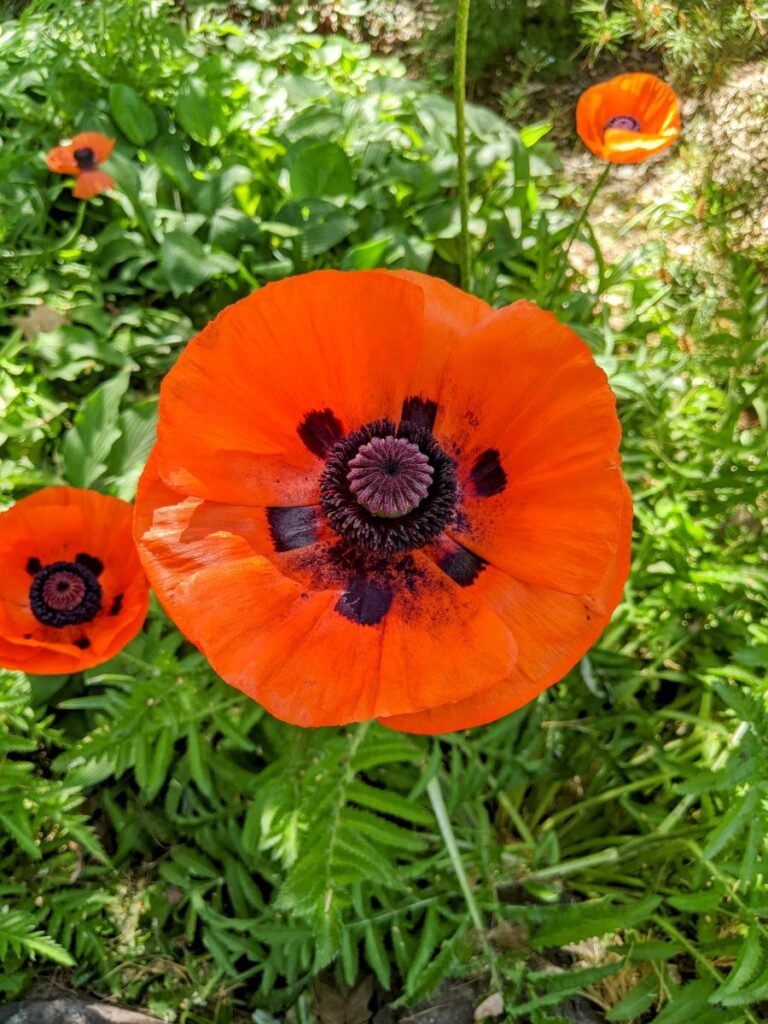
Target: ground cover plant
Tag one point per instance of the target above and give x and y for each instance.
(597, 855)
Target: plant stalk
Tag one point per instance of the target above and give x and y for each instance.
(446, 830)
(460, 96)
(573, 233)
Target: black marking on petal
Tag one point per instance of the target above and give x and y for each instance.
(90, 562)
(292, 528)
(34, 565)
(85, 158)
(366, 601)
(419, 411)
(463, 566)
(117, 605)
(487, 475)
(320, 430)
(83, 643)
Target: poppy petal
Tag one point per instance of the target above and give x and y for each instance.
(313, 356)
(313, 641)
(61, 160)
(553, 631)
(83, 527)
(92, 183)
(538, 456)
(101, 145)
(644, 98)
(448, 314)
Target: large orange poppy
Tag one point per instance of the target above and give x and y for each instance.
(629, 118)
(81, 157)
(374, 496)
(72, 591)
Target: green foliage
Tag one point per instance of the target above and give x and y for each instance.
(161, 838)
(698, 40)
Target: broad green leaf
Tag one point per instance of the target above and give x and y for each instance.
(95, 430)
(319, 169)
(197, 112)
(132, 115)
(187, 264)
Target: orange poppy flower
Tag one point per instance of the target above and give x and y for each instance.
(82, 157)
(72, 591)
(374, 496)
(628, 118)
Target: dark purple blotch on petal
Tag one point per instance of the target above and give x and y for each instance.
(117, 605)
(83, 643)
(463, 566)
(294, 527)
(320, 430)
(487, 476)
(419, 411)
(95, 565)
(34, 565)
(366, 601)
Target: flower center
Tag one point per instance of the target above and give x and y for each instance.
(84, 158)
(388, 487)
(65, 594)
(390, 476)
(624, 123)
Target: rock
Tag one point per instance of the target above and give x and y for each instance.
(491, 1006)
(69, 1011)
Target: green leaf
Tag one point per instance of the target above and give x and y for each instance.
(531, 134)
(161, 760)
(197, 113)
(389, 802)
(129, 454)
(737, 818)
(376, 956)
(187, 264)
(688, 1004)
(132, 115)
(95, 430)
(595, 917)
(639, 999)
(319, 169)
(367, 255)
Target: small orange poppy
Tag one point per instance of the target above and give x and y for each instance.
(81, 157)
(628, 118)
(375, 496)
(72, 591)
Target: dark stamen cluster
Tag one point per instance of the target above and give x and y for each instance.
(624, 123)
(85, 158)
(65, 594)
(357, 523)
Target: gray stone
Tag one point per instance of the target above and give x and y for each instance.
(69, 1011)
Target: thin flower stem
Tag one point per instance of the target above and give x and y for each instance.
(446, 830)
(460, 95)
(70, 236)
(573, 233)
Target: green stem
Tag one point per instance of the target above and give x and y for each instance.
(446, 830)
(573, 233)
(68, 239)
(459, 95)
